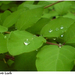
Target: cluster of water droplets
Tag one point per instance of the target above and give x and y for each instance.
(60, 45)
(57, 29)
(27, 42)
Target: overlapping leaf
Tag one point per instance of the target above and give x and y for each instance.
(56, 27)
(3, 44)
(3, 29)
(62, 7)
(21, 41)
(36, 28)
(69, 36)
(53, 58)
(29, 18)
(11, 19)
(25, 61)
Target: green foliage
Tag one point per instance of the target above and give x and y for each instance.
(3, 44)
(22, 41)
(37, 36)
(56, 27)
(53, 58)
(26, 21)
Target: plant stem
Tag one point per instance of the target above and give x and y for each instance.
(7, 32)
(53, 4)
(52, 43)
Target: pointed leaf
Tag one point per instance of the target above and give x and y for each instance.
(53, 58)
(22, 41)
(29, 18)
(56, 27)
(11, 19)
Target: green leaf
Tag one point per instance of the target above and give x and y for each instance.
(3, 29)
(10, 62)
(38, 26)
(54, 58)
(3, 44)
(21, 41)
(3, 66)
(5, 15)
(62, 7)
(25, 62)
(70, 15)
(69, 36)
(56, 27)
(11, 19)
(29, 18)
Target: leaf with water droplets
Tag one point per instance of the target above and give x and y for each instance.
(22, 41)
(54, 58)
(3, 44)
(56, 27)
(3, 29)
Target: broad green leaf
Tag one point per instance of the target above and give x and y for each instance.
(62, 7)
(3, 44)
(11, 19)
(3, 29)
(56, 27)
(22, 41)
(54, 58)
(25, 62)
(5, 15)
(70, 15)
(69, 36)
(29, 18)
(36, 28)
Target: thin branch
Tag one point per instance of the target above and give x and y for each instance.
(52, 43)
(53, 4)
(7, 32)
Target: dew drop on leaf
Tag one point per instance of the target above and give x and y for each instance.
(61, 27)
(50, 30)
(54, 38)
(62, 35)
(26, 43)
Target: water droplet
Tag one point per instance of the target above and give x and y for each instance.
(57, 29)
(50, 30)
(5, 36)
(62, 35)
(61, 27)
(26, 43)
(54, 38)
(27, 39)
(59, 46)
